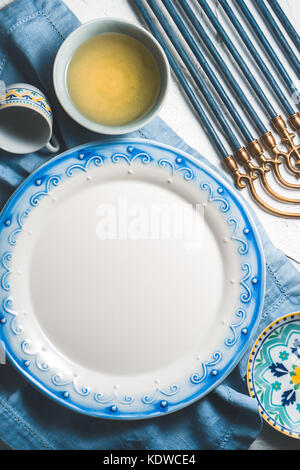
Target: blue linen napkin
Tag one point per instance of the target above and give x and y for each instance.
(31, 32)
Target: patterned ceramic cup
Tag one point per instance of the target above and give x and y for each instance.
(26, 120)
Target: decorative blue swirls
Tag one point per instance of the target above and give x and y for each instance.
(243, 248)
(231, 341)
(103, 399)
(224, 206)
(97, 160)
(59, 381)
(5, 261)
(52, 181)
(197, 378)
(187, 172)
(112, 398)
(142, 156)
(7, 307)
(151, 397)
(81, 390)
(40, 364)
(125, 400)
(246, 296)
(12, 238)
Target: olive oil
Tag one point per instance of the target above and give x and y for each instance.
(113, 79)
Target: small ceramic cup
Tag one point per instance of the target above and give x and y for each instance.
(85, 32)
(26, 120)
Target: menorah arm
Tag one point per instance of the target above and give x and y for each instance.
(243, 180)
(261, 170)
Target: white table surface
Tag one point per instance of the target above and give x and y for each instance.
(177, 112)
(285, 233)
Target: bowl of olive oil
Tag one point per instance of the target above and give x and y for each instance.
(111, 76)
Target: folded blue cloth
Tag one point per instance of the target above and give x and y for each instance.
(31, 32)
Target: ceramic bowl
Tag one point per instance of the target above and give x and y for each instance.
(85, 32)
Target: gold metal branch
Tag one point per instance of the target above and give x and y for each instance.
(243, 180)
(269, 142)
(255, 149)
(292, 156)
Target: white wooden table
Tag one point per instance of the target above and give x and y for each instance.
(285, 233)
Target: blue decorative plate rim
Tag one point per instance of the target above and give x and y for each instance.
(264, 336)
(249, 246)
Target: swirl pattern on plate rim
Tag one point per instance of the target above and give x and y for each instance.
(207, 372)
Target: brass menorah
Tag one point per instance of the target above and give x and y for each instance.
(258, 157)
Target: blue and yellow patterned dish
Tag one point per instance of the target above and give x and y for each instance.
(274, 374)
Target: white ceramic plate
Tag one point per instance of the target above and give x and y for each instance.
(131, 280)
